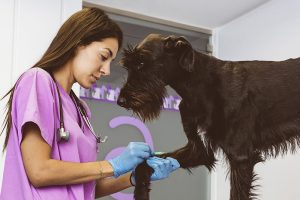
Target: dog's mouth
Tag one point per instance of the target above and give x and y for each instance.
(129, 103)
(145, 100)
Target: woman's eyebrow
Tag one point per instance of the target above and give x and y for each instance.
(110, 52)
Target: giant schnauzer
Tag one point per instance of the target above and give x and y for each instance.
(250, 110)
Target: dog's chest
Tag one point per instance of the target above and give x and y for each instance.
(201, 131)
(202, 134)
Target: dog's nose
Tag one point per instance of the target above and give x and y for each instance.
(121, 101)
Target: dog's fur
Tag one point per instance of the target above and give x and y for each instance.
(249, 109)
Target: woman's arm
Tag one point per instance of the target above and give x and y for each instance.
(162, 169)
(107, 186)
(44, 171)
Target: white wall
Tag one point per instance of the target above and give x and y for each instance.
(199, 13)
(271, 32)
(27, 28)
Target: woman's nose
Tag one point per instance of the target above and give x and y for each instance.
(105, 70)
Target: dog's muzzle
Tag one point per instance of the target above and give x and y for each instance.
(121, 102)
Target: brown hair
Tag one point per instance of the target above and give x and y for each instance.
(82, 28)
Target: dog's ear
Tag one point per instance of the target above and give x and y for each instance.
(184, 50)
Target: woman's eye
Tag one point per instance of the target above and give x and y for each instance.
(103, 58)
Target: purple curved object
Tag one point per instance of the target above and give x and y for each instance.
(126, 120)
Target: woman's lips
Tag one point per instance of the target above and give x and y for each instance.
(94, 79)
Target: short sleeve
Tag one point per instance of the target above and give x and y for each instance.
(34, 102)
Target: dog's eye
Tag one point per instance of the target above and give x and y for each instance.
(140, 65)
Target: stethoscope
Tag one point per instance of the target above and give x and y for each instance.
(64, 135)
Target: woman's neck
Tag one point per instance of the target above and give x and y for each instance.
(64, 77)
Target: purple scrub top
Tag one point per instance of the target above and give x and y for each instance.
(36, 100)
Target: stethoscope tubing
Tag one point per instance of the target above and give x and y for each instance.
(62, 130)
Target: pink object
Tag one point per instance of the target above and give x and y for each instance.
(36, 100)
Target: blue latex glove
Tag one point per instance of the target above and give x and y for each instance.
(134, 154)
(162, 168)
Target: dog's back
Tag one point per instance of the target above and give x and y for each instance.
(269, 94)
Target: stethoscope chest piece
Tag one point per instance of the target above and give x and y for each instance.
(62, 134)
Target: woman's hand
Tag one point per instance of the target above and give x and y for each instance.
(134, 154)
(162, 168)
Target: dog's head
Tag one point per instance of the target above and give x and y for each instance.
(151, 65)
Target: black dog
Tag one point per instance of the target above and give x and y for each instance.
(250, 109)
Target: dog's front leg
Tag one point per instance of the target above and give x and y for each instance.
(242, 176)
(197, 151)
(143, 173)
(193, 154)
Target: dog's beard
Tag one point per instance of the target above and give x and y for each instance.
(148, 109)
(147, 102)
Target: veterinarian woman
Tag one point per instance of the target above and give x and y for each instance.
(51, 146)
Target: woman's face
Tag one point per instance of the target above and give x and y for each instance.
(93, 61)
